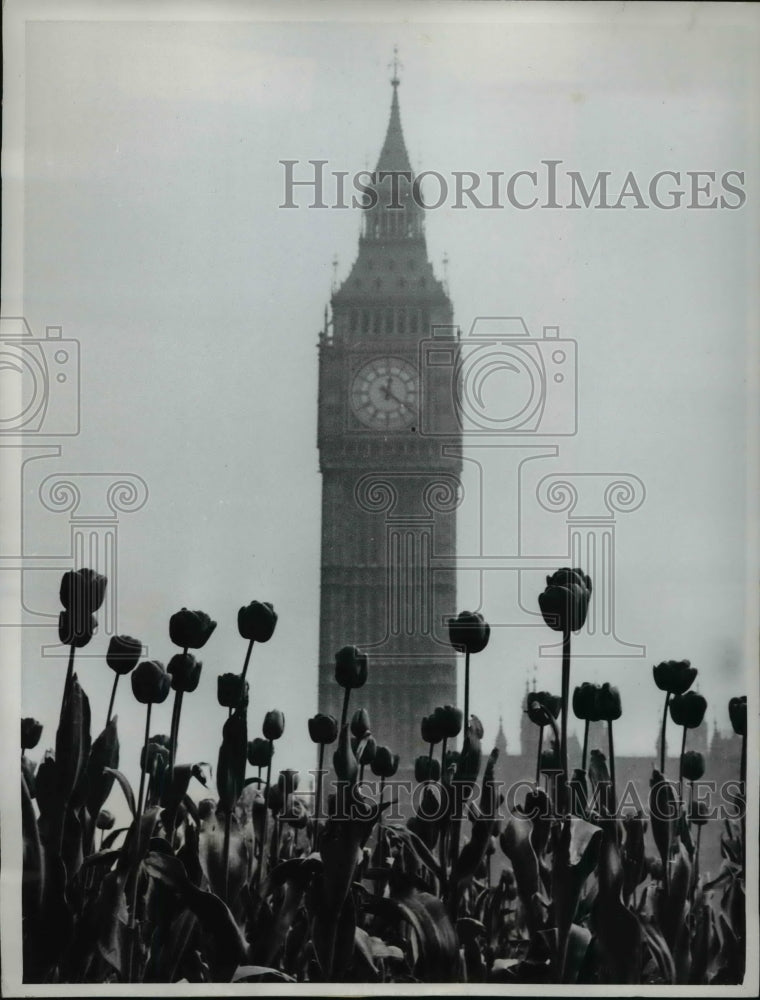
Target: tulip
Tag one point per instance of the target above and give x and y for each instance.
(230, 777)
(469, 632)
(737, 713)
(431, 730)
(426, 769)
(608, 704)
(260, 752)
(151, 683)
(674, 677)
(693, 765)
(82, 590)
(344, 761)
(31, 731)
(364, 751)
(156, 752)
(76, 630)
(185, 671)
(539, 701)
(450, 720)
(122, 656)
(564, 603)
(688, 710)
(257, 621)
(105, 820)
(190, 629)
(384, 764)
(360, 723)
(274, 725)
(351, 666)
(231, 690)
(586, 707)
(323, 729)
(564, 606)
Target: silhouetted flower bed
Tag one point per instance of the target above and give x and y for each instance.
(263, 884)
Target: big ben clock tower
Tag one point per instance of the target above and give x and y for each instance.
(390, 461)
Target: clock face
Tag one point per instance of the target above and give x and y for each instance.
(384, 394)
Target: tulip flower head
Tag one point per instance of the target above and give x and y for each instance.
(449, 718)
(76, 628)
(737, 713)
(384, 763)
(586, 702)
(426, 768)
(31, 731)
(364, 750)
(541, 702)
(351, 667)
(105, 820)
(190, 629)
(469, 632)
(565, 601)
(688, 709)
(257, 621)
(231, 690)
(82, 591)
(123, 653)
(608, 703)
(360, 723)
(185, 671)
(151, 683)
(693, 765)
(430, 729)
(674, 676)
(323, 729)
(344, 761)
(274, 725)
(260, 752)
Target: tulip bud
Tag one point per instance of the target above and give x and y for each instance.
(384, 763)
(231, 690)
(76, 629)
(426, 769)
(564, 603)
(674, 676)
(275, 799)
(430, 729)
(585, 702)
(351, 667)
(540, 702)
(82, 591)
(190, 629)
(105, 820)
(344, 762)
(150, 682)
(450, 721)
(364, 750)
(31, 731)
(185, 671)
(608, 703)
(256, 621)
(737, 713)
(469, 632)
(158, 753)
(274, 725)
(323, 729)
(123, 653)
(360, 723)
(688, 709)
(692, 765)
(260, 752)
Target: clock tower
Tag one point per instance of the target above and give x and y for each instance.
(390, 459)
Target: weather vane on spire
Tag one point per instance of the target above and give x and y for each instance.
(395, 66)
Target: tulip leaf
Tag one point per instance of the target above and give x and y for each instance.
(125, 786)
(33, 871)
(254, 973)
(104, 754)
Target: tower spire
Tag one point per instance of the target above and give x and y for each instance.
(395, 66)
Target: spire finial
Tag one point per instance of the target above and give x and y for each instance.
(395, 66)
(335, 272)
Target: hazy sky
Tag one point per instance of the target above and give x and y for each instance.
(152, 233)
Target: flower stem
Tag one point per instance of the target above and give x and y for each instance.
(344, 714)
(262, 850)
(538, 756)
(585, 744)
(466, 692)
(245, 664)
(174, 738)
(680, 764)
(743, 780)
(565, 704)
(136, 874)
(318, 800)
(612, 766)
(69, 678)
(113, 698)
(662, 735)
(226, 856)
